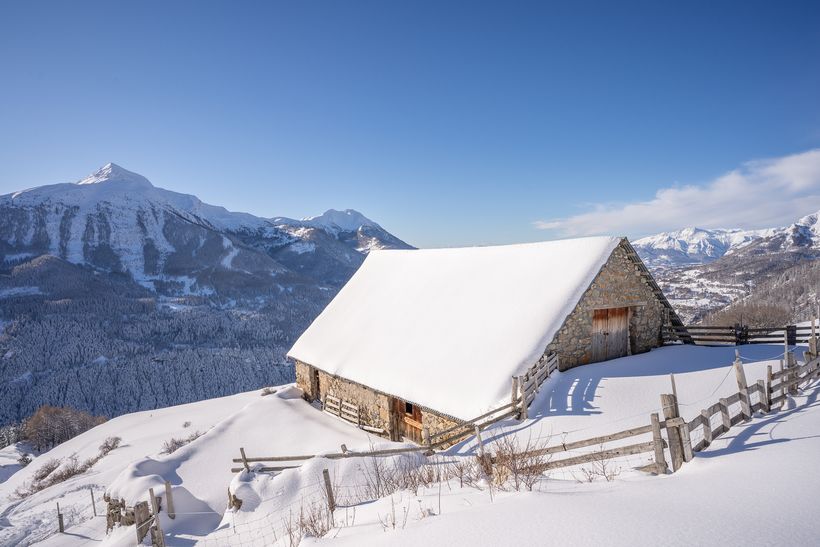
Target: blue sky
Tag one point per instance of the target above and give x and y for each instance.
(450, 123)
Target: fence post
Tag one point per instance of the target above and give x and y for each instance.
(514, 394)
(141, 520)
(672, 432)
(660, 458)
(764, 396)
(244, 459)
(524, 406)
(425, 435)
(707, 428)
(157, 537)
(331, 500)
(791, 335)
(769, 388)
(169, 501)
(743, 388)
(60, 524)
(724, 414)
(675, 393)
(480, 442)
(686, 442)
(93, 503)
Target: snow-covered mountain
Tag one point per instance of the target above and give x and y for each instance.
(702, 270)
(110, 281)
(699, 245)
(115, 220)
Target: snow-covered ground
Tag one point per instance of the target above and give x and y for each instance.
(727, 495)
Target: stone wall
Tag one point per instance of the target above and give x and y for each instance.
(374, 407)
(619, 284)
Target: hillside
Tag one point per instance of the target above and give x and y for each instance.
(703, 270)
(583, 402)
(156, 293)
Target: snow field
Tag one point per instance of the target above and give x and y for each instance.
(376, 505)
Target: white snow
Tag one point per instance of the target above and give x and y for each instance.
(447, 328)
(331, 221)
(753, 486)
(199, 472)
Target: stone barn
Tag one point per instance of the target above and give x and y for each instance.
(429, 338)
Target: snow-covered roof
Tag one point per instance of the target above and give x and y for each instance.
(448, 328)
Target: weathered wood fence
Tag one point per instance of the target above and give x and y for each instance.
(143, 514)
(762, 396)
(709, 335)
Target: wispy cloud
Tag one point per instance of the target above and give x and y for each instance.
(760, 193)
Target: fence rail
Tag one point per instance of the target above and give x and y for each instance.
(708, 335)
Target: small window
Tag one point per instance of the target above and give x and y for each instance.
(408, 408)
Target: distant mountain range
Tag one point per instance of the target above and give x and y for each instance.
(117, 221)
(117, 296)
(703, 270)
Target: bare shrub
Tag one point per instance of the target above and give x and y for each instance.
(70, 468)
(465, 470)
(315, 519)
(46, 469)
(24, 460)
(173, 444)
(519, 465)
(600, 467)
(109, 444)
(186, 424)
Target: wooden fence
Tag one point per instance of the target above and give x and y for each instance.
(732, 410)
(708, 335)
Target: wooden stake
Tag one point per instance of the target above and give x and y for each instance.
(743, 388)
(764, 396)
(93, 503)
(331, 501)
(159, 538)
(60, 524)
(672, 433)
(724, 414)
(707, 428)
(425, 435)
(169, 500)
(675, 393)
(660, 458)
(244, 459)
(686, 442)
(480, 442)
(769, 388)
(524, 406)
(514, 394)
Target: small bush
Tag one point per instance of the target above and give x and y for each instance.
(46, 469)
(109, 444)
(172, 445)
(24, 460)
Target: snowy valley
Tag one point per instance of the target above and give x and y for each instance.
(705, 270)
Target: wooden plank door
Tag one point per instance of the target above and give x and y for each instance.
(599, 335)
(409, 420)
(610, 333)
(618, 328)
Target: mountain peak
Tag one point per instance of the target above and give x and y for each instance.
(348, 220)
(113, 173)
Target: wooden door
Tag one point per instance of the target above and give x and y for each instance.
(610, 333)
(409, 420)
